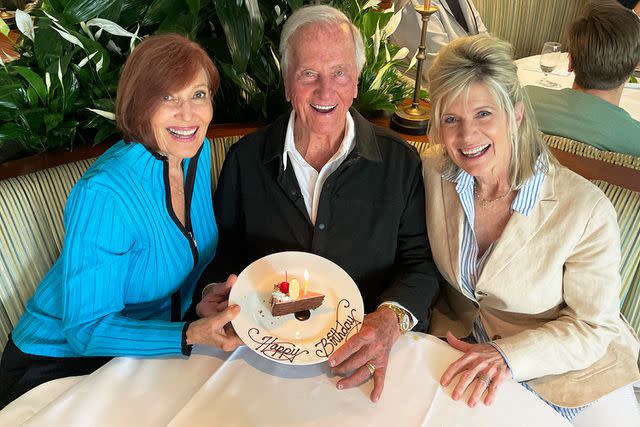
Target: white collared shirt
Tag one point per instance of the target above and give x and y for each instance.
(311, 181)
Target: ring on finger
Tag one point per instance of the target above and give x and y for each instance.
(371, 367)
(486, 379)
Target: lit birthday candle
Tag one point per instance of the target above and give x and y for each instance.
(306, 282)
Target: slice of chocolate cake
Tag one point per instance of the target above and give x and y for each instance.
(283, 304)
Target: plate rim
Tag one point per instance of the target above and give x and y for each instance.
(357, 305)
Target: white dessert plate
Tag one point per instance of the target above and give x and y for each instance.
(285, 339)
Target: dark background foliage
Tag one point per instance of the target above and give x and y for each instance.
(59, 93)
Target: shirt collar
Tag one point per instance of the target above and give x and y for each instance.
(347, 144)
(526, 197)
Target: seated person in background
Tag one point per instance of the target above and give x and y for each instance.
(323, 179)
(604, 49)
(129, 262)
(454, 19)
(530, 250)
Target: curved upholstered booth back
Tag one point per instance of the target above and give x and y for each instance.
(32, 231)
(527, 24)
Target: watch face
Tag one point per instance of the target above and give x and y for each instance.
(405, 323)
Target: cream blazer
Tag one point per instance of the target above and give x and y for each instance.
(549, 291)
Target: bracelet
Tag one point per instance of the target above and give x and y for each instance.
(186, 348)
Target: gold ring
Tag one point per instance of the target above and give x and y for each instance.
(371, 367)
(486, 379)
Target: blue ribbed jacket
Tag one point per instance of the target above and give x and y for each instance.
(124, 255)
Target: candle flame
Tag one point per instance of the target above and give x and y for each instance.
(306, 282)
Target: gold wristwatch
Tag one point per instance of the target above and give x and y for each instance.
(404, 318)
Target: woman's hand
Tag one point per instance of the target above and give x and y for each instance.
(366, 354)
(481, 368)
(215, 330)
(216, 297)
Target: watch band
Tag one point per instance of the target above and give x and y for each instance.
(404, 319)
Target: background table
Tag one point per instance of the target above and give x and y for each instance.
(529, 73)
(243, 389)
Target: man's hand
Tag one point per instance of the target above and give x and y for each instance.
(482, 365)
(216, 297)
(366, 350)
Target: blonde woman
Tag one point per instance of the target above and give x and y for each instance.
(529, 249)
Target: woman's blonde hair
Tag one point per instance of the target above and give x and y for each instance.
(489, 61)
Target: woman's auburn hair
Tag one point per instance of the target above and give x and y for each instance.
(160, 65)
(488, 61)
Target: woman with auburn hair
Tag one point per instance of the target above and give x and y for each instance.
(130, 262)
(530, 250)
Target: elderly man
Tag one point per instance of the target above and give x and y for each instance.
(604, 49)
(322, 179)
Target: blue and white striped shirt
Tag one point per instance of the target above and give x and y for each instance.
(471, 266)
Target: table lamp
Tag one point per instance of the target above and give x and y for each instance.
(413, 118)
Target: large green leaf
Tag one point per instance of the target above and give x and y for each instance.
(54, 5)
(12, 96)
(194, 6)
(47, 46)
(52, 120)
(83, 10)
(260, 66)
(105, 132)
(4, 28)
(11, 131)
(132, 13)
(34, 80)
(243, 80)
(160, 10)
(295, 4)
(243, 28)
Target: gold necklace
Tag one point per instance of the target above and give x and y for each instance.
(484, 203)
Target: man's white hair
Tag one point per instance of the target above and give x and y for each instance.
(326, 15)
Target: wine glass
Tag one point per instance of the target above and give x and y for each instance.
(549, 60)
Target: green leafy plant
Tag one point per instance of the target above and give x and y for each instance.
(243, 41)
(61, 90)
(381, 85)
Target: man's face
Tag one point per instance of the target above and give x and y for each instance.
(322, 78)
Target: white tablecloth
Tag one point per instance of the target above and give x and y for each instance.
(243, 389)
(529, 73)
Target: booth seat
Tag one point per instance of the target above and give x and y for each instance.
(31, 227)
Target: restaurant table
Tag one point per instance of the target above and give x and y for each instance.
(529, 73)
(244, 389)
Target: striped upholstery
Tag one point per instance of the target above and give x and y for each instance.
(527, 24)
(219, 150)
(585, 150)
(31, 229)
(31, 233)
(627, 205)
